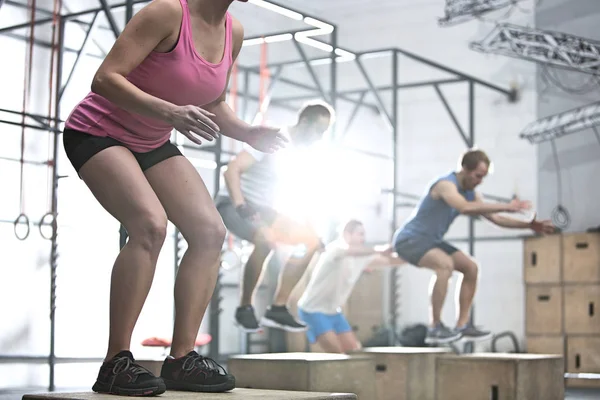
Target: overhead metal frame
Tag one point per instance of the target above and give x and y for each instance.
(331, 95)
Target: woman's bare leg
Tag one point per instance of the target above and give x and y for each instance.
(116, 180)
(190, 207)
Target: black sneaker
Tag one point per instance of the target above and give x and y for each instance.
(195, 373)
(473, 334)
(279, 317)
(122, 376)
(246, 319)
(441, 334)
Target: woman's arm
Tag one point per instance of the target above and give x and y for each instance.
(262, 138)
(229, 123)
(151, 26)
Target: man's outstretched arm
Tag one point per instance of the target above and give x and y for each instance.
(448, 192)
(544, 226)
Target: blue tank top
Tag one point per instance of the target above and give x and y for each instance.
(432, 217)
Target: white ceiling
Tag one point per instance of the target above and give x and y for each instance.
(361, 25)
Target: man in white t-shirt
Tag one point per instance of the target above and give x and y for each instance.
(335, 274)
(250, 211)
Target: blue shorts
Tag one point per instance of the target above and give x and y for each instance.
(319, 323)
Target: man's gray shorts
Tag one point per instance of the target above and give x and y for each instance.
(237, 225)
(413, 248)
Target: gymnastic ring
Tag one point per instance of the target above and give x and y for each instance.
(44, 222)
(235, 258)
(22, 219)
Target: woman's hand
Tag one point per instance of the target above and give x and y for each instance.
(266, 139)
(194, 121)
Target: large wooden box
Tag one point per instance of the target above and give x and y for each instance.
(546, 345)
(543, 310)
(500, 376)
(581, 253)
(581, 309)
(405, 373)
(319, 372)
(364, 308)
(542, 259)
(236, 394)
(583, 357)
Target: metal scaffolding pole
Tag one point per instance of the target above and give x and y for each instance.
(54, 208)
(471, 144)
(333, 76)
(394, 287)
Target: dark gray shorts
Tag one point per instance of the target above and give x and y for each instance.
(413, 248)
(237, 225)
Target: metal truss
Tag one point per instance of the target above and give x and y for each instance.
(565, 123)
(542, 46)
(458, 11)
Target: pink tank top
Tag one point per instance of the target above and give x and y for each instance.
(180, 76)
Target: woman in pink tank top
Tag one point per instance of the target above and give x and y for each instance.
(168, 69)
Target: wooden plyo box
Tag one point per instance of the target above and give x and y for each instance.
(364, 308)
(542, 259)
(500, 376)
(543, 310)
(321, 372)
(581, 252)
(177, 395)
(582, 309)
(546, 345)
(583, 357)
(405, 373)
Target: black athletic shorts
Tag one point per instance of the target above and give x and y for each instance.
(81, 146)
(413, 248)
(237, 225)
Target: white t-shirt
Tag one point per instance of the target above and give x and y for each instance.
(333, 279)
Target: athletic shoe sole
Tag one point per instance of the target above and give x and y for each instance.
(269, 323)
(450, 339)
(248, 330)
(477, 338)
(187, 387)
(160, 388)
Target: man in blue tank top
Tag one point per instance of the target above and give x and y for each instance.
(420, 240)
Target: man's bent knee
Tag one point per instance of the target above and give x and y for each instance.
(471, 271)
(444, 269)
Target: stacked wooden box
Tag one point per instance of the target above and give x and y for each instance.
(562, 281)
(364, 308)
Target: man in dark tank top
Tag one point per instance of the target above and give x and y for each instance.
(420, 240)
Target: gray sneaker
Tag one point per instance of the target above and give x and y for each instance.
(279, 317)
(473, 334)
(441, 334)
(246, 320)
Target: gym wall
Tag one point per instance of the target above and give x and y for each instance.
(428, 146)
(579, 162)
